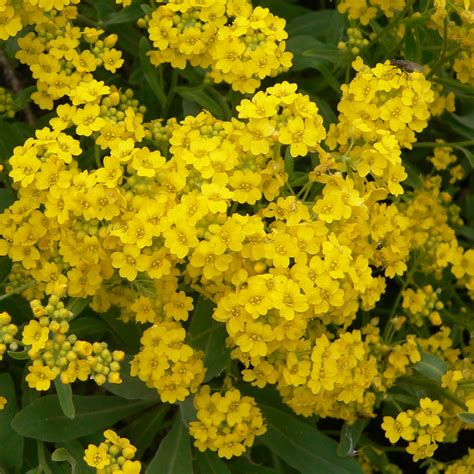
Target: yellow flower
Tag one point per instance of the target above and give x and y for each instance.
(87, 120)
(125, 261)
(35, 335)
(24, 167)
(428, 415)
(97, 456)
(301, 135)
(398, 428)
(112, 60)
(422, 448)
(40, 377)
(10, 22)
(3, 402)
(256, 137)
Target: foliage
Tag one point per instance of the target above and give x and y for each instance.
(236, 237)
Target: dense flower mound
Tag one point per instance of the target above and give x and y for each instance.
(242, 45)
(230, 244)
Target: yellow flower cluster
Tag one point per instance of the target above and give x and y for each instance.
(242, 45)
(8, 330)
(366, 10)
(333, 380)
(442, 102)
(442, 159)
(64, 242)
(3, 402)
(455, 380)
(55, 353)
(165, 362)
(423, 428)
(276, 275)
(435, 241)
(7, 108)
(465, 465)
(463, 268)
(422, 303)
(458, 15)
(380, 102)
(355, 41)
(60, 63)
(113, 456)
(15, 15)
(226, 423)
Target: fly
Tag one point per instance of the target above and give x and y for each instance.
(406, 66)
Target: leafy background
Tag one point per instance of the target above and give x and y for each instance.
(33, 427)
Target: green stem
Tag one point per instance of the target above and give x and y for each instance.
(87, 21)
(441, 59)
(435, 144)
(17, 290)
(97, 156)
(387, 333)
(277, 464)
(222, 102)
(43, 465)
(171, 93)
(454, 84)
(393, 23)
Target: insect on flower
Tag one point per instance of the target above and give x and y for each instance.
(406, 66)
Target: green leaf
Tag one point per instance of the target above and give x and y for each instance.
(187, 410)
(244, 466)
(326, 111)
(309, 52)
(11, 444)
(289, 163)
(43, 419)
(103, 8)
(92, 327)
(285, 8)
(75, 452)
(414, 178)
(127, 335)
(467, 232)
(209, 336)
(431, 366)
(433, 389)
(5, 267)
(328, 76)
(468, 154)
(66, 403)
(466, 417)
(466, 120)
(63, 455)
(349, 438)
(326, 26)
(150, 73)
(174, 453)
(125, 15)
(11, 135)
(78, 305)
(201, 97)
(21, 355)
(376, 455)
(411, 48)
(147, 10)
(23, 98)
(145, 427)
(131, 388)
(301, 445)
(7, 198)
(209, 463)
